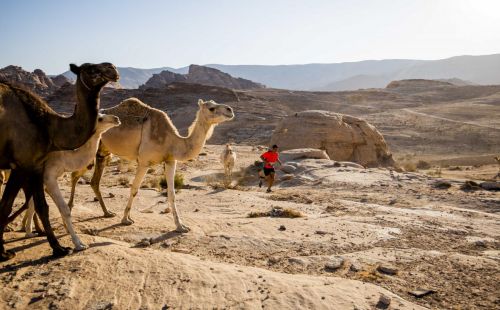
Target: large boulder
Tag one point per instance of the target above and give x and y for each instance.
(343, 137)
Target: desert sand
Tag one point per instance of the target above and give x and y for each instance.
(367, 238)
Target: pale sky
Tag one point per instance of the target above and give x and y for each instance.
(51, 34)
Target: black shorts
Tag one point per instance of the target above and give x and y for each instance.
(268, 171)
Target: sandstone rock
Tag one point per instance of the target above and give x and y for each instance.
(344, 137)
(35, 81)
(302, 153)
(356, 267)
(334, 263)
(199, 75)
(288, 168)
(162, 79)
(210, 76)
(383, 302)
(387, 269)
(490, 186)
(441, 184)
(60, 80)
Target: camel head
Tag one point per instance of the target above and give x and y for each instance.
(214, 113)
(106, 121)
(95, 75)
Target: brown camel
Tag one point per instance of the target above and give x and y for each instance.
(148, 136)
(30, 129)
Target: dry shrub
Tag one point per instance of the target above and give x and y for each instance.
(409, 166)
(422, 164)
(123, 181)
(178, 181)
(277, 212)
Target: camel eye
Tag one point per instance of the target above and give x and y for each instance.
(212, 109)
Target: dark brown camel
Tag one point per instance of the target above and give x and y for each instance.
(30, 129)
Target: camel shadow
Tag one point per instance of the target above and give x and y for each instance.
(28, 263)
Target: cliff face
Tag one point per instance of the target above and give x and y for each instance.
(200, 75)
(210, 76)
(163, 78)
(36, 81)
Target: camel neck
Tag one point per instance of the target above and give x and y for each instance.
(72, 132)
(189, 147)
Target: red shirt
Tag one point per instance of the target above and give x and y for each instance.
(270, 157)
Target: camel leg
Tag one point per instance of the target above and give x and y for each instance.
(42, 209)
(28, 219)
(55, 194)
(141, 172)
(100, 163)
(169, 175)
(75, 176)
(9, 195)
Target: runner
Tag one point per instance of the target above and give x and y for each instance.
(270, 158)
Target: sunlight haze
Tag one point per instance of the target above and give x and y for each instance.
(148, 34)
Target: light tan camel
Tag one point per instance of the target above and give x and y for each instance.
(228, 158)
(59, 162)
(148, 136)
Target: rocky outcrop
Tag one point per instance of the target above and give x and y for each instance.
(60, 80)
(343, 137)
(210, 76)
(164, 78)
(200, 75)
(36, 81)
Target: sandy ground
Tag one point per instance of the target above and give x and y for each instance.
(366, 235)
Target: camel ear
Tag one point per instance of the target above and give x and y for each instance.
(201, 103)
(74, 68)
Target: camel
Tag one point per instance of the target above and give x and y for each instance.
(59, 162)
(497, 159)
(228, 158)
(148, 136)
(3, 178)
(30, 129)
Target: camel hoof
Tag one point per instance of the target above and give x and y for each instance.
(127, 222)
(5, 256)
(109, 214)
(61, 251)
(182, 229)
(81, 247)
(30, 235)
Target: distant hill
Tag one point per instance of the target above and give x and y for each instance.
(483, 70)
(134, 77)
(200, 75)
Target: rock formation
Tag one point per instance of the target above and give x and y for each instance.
(35, 81)
(343, 137)
(200, 75)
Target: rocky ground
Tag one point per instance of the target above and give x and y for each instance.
(367, 238)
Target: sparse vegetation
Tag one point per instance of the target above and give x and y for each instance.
(422, 164)
(178, 181)
(277, 212)
(123, 181)
(409, 166)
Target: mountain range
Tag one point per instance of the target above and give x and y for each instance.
(483, 70)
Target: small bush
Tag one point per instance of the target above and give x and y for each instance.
(123, 181)
(410, 167)
(277, 212)
(178, 181)
(422, 164)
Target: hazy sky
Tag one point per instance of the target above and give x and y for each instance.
(146, 34)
